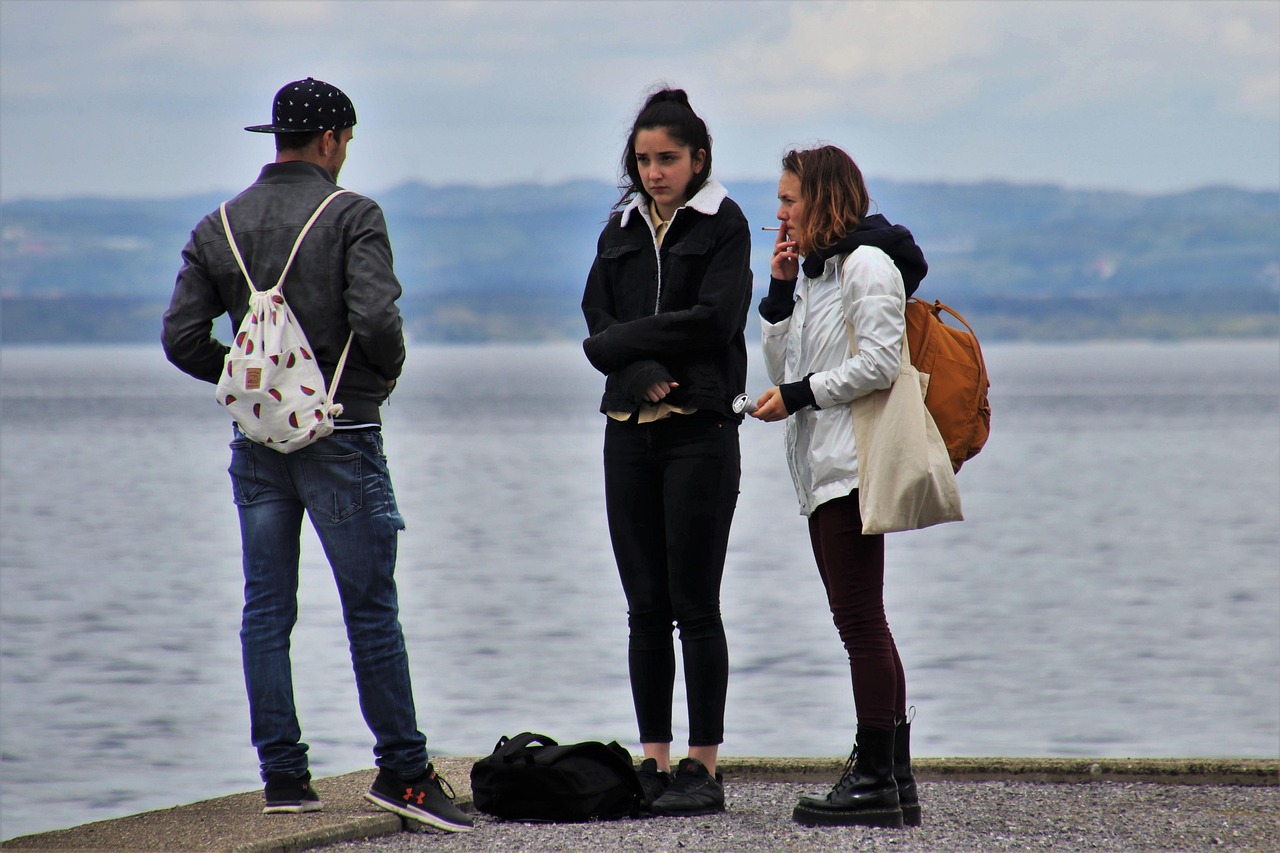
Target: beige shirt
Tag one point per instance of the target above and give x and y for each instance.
(659, 227)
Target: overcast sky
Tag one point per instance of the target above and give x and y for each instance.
(148, 97)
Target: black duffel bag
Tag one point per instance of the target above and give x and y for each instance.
(531, 777)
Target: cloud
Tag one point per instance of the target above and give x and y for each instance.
(1143, 53)
(1249, 38)
(913, 61)
(498, 91)
(871, 58)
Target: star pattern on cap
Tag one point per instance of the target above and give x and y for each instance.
(316, 104)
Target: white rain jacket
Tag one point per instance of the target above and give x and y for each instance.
(866, 290)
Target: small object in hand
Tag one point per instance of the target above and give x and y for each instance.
(743, 403)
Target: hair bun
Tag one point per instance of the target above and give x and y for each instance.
(677, 96)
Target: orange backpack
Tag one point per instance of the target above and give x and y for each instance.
(957, 396)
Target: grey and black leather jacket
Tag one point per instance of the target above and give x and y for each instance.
(341, 281)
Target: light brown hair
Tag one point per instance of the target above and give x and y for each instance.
(834, 194)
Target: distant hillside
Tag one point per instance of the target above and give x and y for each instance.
(508, 263)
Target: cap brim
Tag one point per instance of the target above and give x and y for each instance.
(271, 128)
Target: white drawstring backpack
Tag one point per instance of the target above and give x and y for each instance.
(271, 382)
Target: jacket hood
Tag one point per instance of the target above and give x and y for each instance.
(707, 200)
(894, 240)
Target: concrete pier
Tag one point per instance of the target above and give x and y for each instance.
(236, 822)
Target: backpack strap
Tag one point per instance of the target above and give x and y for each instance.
(231, 241)
(937, 308)
(305, 228)
(235, 250)
(337, 374)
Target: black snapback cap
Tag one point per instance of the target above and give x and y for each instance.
(306, 106)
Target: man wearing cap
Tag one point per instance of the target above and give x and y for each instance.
(341, 283)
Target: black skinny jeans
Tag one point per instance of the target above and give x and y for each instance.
(852, 570)
(671, 488)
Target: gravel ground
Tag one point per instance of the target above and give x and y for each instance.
(958, 816)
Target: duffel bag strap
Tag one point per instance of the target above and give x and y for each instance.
(517, 748)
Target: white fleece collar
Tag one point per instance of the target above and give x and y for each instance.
(706, 201)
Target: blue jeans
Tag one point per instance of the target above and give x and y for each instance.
(343, 485)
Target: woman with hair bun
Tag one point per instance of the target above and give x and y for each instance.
(666, 303)
(858, 270)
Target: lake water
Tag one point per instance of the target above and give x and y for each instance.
(1115, 591)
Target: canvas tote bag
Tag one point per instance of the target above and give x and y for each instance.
(905, 478)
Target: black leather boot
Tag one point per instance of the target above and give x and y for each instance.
(866, 795)
(908, 798)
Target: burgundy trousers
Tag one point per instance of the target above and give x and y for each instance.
(852, 570)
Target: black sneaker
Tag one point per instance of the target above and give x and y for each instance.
(654, 782)
(422, 799)
(693, 791)
(289, 794)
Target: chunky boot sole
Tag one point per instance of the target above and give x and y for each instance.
(807, 816)
(911, 815)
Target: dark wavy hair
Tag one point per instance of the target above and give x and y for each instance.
(834, 194)
(669, 110)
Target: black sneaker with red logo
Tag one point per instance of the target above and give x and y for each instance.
(423, 799)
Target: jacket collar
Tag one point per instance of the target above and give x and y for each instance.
(706, 201)
(292, 172)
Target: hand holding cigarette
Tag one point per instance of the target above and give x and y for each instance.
(785, 264)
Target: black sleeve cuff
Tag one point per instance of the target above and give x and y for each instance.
(797, 395)
(637, 377)
(780, 302)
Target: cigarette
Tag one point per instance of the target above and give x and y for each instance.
(770, 228)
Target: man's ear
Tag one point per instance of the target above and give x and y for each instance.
(328, 142)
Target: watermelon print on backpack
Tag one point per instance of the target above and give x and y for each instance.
(271, 382)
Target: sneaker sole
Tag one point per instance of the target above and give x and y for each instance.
(419, 815)
(293, 808)
(695, 812)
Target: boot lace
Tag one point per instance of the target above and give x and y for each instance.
(847, 775)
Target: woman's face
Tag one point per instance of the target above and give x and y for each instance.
(791, 205)
(666, 168)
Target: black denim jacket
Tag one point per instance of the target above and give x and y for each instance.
(341, 281)
(691, 330)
